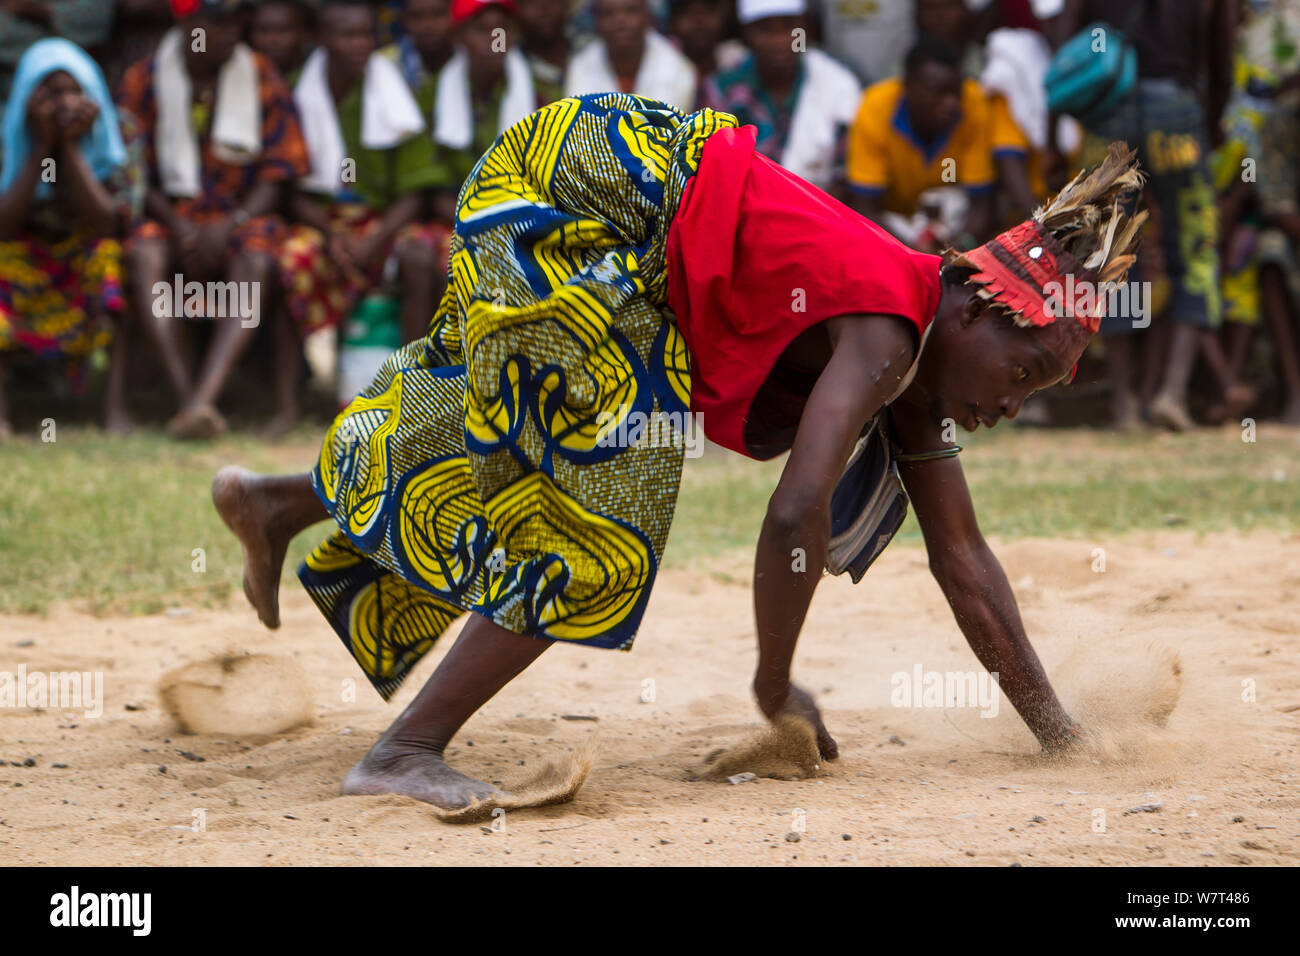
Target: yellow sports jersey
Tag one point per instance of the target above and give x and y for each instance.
(1007, 137)
(886, 158)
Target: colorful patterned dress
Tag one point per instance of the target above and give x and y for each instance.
(472, 474)
(59, 282)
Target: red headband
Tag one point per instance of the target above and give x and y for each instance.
(462, 10)
(1018, 267)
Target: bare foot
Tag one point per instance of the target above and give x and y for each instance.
(388, 768)
(118, 422)
(1291, 414)
(248, 511)
(1124, 412)
(280, 425)
(1239, 399)
(196, 423)
(1171, 414)
(6, 430)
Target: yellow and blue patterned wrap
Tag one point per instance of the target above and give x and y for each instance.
(470, 475)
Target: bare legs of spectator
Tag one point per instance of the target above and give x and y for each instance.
(6, 426)
(199, 417)
(1281, 326)
(287, 356)
(117, 420)
(1119, 369)
(1169, 407)
(417, 267)
(147, 263)
(1237, 396)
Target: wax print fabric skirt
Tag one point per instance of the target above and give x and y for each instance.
(476, 473)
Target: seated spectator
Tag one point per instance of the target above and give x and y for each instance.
(699, 28)
(545, 30)
(801, 102)
(66, 199)
(22, 22)
(424, 47)
(630, 56)
(480, 93)
(283, 31)
(372, 168)
(927, 129)
(221, 139)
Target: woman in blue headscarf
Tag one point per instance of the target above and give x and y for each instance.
(68, 191)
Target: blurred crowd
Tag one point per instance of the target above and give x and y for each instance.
(222, 179)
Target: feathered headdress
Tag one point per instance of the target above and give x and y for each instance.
(1070, 255)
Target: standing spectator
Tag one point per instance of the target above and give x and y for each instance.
(802, 102)
(1279, 265)
(221, 139)
(283, 31)
(699, 28)
(870, 38)
(60, 254)
(630, 56)
(924, 130)
(372, 167)
(22, 22)
(546, 43)
(1184, 53)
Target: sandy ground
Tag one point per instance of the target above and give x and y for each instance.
(913, 785)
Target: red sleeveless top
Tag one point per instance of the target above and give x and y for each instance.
(756, 256)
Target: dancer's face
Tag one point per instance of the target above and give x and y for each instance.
(978, 366)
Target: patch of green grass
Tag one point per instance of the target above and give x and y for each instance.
(110, 525)
(1043, 483)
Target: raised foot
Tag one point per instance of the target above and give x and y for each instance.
(420, 774)
(248, 511)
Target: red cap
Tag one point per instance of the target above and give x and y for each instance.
(183, 8)
(462, 10)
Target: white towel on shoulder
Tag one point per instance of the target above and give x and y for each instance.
(453, 109)
(828, 101)
(1017, 66)
(665, 73)
(236, 122)
(389, 116)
